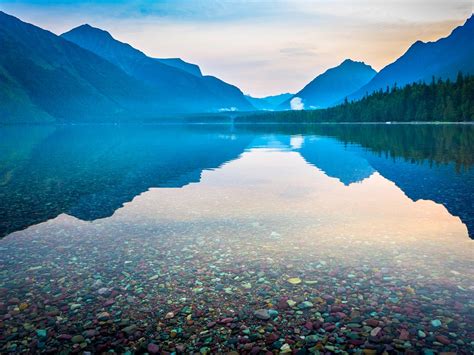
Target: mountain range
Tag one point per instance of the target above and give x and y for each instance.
(181, 64)
(268, 103)
(182, 82)
(86, 75)
(442, 59)
(333, 85)
(48, 78)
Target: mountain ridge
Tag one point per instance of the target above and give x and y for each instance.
(333, 85)
(182, 64)
(87, 75)
(200, 93)
(441, 59)
(268, 102)
(59, 81)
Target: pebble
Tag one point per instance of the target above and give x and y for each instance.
(76, 339)
(374, 332)
(305, 305)
(285, 348)
(262, 314)
(41, 333)
(130, 329)
(103, 316)
(443, 340)
(273, 313)
(103, 291)
(169, 315)
(207, 294)
(153, 348)
(372, 322)
(311, 339)
(294, 280)
(404, 335)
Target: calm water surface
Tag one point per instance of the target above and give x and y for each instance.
(332, 238)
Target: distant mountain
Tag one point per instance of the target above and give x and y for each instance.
(182, 65)
(184, 89)
(438, 101)
(333, 85)
(269, 102)
(46, 78)
(229, 96)
(422, 61)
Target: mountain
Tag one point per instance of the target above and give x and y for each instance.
(438, 101)
(443, 59)
(333, 85)
(269, 102)
(229, 96)
(46, 78)
(187, 90)
(182, 65)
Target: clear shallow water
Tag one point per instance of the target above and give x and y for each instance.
(346, 237)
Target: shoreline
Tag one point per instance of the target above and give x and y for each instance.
(184, 123)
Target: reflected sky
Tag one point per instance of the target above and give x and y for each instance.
(273, 194)
(280, 189)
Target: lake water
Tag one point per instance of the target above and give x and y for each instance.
(230, 238)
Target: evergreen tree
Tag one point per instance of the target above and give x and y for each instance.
(439, 100)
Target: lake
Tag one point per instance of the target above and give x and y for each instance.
(223, 238)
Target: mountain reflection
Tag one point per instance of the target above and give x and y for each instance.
(91, 171)
(336, 160)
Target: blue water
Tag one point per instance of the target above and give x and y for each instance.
(370, 224)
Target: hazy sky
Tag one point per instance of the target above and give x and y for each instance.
(264, 47)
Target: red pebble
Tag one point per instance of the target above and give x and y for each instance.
(443, 340)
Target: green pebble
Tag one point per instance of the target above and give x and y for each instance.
(273, 313)
(76, 339)
(41, 333)
(204, 350)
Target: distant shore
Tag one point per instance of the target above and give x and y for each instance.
(236, 123)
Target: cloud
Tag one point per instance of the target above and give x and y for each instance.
(296, 103)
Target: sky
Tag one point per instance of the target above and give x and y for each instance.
(264, 47)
